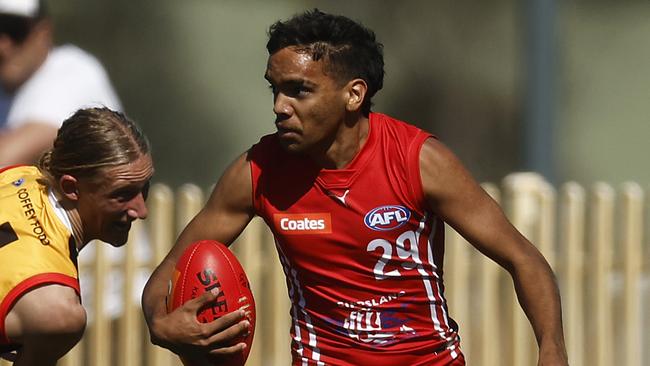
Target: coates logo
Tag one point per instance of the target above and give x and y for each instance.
(389, 217)
(307, 223)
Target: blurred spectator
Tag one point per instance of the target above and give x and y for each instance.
(41, 84)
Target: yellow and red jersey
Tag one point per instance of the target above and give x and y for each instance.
(36, 242)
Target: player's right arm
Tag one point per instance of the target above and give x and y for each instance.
(227, 212)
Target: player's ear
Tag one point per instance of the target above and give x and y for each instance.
(69, 187)
(356, 93)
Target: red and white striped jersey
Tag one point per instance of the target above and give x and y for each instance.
(361, 251)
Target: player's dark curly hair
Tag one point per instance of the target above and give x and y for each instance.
(349, 49)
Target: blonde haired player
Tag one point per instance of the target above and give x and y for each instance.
(91, 185)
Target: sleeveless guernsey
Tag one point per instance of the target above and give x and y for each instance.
(361, 251)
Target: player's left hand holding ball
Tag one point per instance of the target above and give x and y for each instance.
(210, 298)
(186, 336)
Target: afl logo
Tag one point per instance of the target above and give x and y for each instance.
(389, 217)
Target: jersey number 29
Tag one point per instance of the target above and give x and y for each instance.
(407, 251)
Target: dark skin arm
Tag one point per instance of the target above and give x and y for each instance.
(458, 199)
(227, 212)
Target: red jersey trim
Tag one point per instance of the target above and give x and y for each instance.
(2, 170)
(414, 174)
(258, 157)
(254, 177)
(24, 287)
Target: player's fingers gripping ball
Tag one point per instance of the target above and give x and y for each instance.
(208, 265)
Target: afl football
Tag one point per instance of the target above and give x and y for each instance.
(208, 265)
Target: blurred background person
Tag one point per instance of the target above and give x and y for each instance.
(41, 84)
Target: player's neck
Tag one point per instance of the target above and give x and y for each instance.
(75, 219)
(77, 230)
(345, 145)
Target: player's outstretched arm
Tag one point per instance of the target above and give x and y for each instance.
(460, 201)
(227, 212)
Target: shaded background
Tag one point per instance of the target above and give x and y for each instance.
(477, 74)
